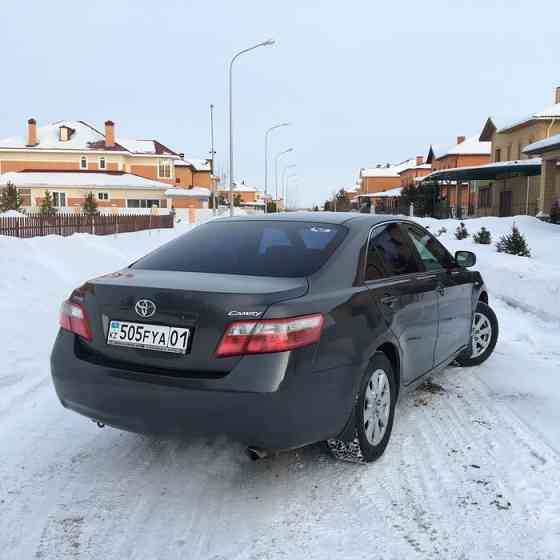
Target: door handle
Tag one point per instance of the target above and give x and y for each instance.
(389, 300)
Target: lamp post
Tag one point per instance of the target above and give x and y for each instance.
(266, 154)
(278, 156)
(212, 154)
(286, 190)
(283, 183)
(267, 43)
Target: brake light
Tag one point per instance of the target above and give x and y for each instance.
(73, 318)
(270, 335)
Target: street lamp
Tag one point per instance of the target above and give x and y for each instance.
(267, 43)
(286, 190)
(266, 152)
(283, 183)
(278, 156)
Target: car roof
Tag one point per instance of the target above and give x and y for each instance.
(346, 218)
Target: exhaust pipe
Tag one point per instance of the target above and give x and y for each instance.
(100, 424)
(256, 453)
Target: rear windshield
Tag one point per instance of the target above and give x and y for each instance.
(252, 248)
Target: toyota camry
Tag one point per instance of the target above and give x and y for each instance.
(277, 330)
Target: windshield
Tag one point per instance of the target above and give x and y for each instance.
(251, 248)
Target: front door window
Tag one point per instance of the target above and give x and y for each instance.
(432, 253)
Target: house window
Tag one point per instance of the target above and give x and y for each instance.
(498, 156)
(142, 203)
(59, 199)
(83, 162)
(164, 168)
(102, 163)
(102, 196)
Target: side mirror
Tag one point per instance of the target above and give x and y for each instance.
(465, 259)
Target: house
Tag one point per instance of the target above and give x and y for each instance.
(410, 175)
(519, 193)
(549, 188)
(249, 196)
(113, 189)
(466, 152)
(97, 162)
(194, 173)
(388, 202)
(382, 177)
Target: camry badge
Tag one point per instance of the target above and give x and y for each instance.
(145, 308)
(244, 313)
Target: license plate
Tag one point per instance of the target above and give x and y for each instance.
(149, 337)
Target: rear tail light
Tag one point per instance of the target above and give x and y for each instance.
(73, 318)
(270, 335)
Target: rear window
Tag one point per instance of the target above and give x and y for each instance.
(252, 248)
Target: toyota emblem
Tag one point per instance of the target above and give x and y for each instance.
(145, 308)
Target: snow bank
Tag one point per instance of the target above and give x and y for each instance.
(532, 284)
(37, 274)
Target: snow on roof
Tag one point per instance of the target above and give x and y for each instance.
(543, 145)
(80, 179)
(198, 164)
(387, 194)
(388, 169)
(420, 166)
(138, 146)
(256, 203)
(242, 187)
(196, 192)
(551, 112)
(534, 162)
(146, 147)
(470, 146)
(82, 137)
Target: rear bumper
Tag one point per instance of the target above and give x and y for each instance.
(286, 406)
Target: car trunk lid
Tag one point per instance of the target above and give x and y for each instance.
(204, 303)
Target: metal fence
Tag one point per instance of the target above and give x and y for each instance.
(67, 224)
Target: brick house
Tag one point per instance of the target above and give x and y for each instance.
(549, 150)
(74, 158)
(382, 177)
(250, 197)
(520, 193)
(410, 175)
(466, 152)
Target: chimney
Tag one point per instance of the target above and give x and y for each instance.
(32, 139)
(419, 160)
(460, 139)
(109, 134)
(557, 96)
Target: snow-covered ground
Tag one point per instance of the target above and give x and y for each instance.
(472, 470)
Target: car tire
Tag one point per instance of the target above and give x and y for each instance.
(373, 414)
(484, 337)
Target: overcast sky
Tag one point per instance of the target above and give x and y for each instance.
(361, 81)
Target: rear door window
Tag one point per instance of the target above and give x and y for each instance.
(389, 253)
(252, 247)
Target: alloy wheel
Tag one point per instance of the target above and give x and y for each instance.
(481, 334)
(377, 406)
